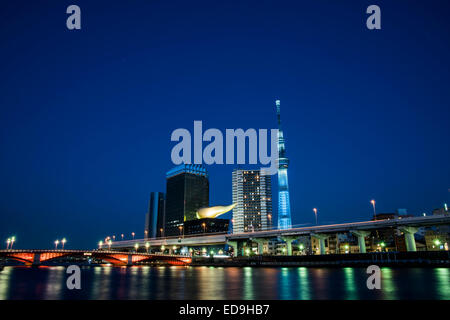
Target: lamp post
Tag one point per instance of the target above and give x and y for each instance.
(315, 214)
(63, 241)
(132, 234)
(374, 211)
(136, 246)
(7, 243)
(122, 236)
(181, 229)
(161, 232)
(146, 234)
(147, 245)
(269, 216)
(13, 239)
(109, 244)
(204, 227)
(100, 244)
(56, 244)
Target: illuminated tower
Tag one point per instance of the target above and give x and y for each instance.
(284, 206)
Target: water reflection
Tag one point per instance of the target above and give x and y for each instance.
(442, 276)
(286, 284)
(5, 277)
(350, 285)
(54, 283)
(144, 282)
(303, 284)
(248, 284)
(388, 284)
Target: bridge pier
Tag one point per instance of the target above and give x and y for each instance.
(321, 238)
(288, 241)
(409, 237)
(260, 242)
(361, 239)
(36, 259)
(234, 245)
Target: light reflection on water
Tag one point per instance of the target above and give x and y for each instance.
(144, 282)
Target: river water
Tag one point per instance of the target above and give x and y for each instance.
(173, 282)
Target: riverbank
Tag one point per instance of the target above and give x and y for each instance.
(388, 259)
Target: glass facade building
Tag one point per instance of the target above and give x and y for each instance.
(154, 219)
(187, 190)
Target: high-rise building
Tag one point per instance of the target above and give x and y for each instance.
(154, 219)
(187, 190)
(284, 206)
(252, 194)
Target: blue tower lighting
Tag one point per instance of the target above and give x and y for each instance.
(284, 206)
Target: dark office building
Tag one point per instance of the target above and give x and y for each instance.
(154, 219)
(206, 225)
(187, 190)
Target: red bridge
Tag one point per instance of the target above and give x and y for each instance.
(37, 257)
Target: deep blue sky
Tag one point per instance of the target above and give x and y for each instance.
(86, 116)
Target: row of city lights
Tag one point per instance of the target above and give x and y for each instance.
(108, 240)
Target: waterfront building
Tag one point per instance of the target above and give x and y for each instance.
(154, 219)
(284, 206)
(252, 195)
(187, 190)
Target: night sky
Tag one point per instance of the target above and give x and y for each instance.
(86, 116)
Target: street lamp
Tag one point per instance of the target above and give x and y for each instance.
(109, 244)
(122, 236)
(270, 220)
(136, 246)
(132, 234)
(100, 243)
(7, 243)
(204, 227)
(146, 233)
(315, 213)
(147, 245)
(181, 229)
(161, 232)
(12, 241)
(63, 241)
(56, 244)
(374, 211)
